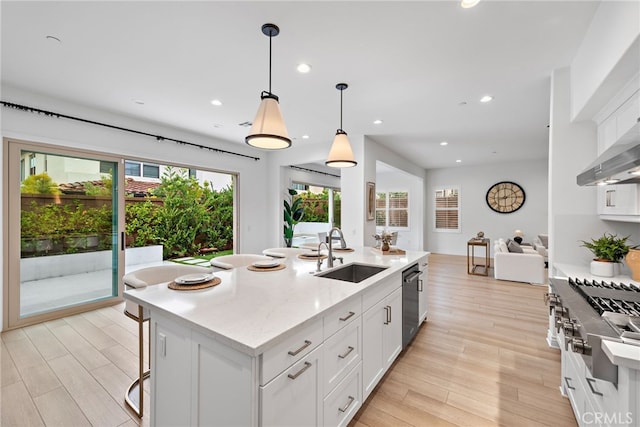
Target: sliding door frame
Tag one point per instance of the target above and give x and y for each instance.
(11, 242)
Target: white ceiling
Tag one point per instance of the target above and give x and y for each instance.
(410, 64)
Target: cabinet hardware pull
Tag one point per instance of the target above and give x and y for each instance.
(342, 356)
(306, 344)
(386, 314)
(566, 381)
(420, 286)
(389, 313)
(348, 316)
(593, 390)
(344, 409)
(307, 365)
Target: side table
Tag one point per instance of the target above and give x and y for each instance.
(471, 262)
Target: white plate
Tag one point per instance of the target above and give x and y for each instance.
(193, 279)
(268, 263)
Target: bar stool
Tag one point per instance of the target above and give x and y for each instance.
(144, 277)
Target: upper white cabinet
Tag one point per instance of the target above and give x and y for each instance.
(619, 202)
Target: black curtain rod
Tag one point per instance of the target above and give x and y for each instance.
(311, 170)
(157, 137)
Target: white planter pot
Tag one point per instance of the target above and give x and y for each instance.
(603, 269)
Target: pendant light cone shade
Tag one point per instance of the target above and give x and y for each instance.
(268, 130)
(341, 154)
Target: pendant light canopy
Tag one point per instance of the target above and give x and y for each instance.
(268, 130)
(341, 155)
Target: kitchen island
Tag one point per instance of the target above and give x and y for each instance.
(280, 347)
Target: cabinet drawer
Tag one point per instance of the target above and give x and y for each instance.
(292, 349)
(372, 296)
(341, 353)
(343, 402)
(294, 398)
(341, 316)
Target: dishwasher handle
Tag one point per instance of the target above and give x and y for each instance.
(413, 276)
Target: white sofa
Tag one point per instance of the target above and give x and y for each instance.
(540, 244)
(527, 266)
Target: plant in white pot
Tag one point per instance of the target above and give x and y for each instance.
(608, 250)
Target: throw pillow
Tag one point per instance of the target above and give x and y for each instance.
(503, 247)
(544, 239)
(514, 247)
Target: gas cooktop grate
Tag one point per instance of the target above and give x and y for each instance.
(609, 297)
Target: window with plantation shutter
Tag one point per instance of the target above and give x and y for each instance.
(392, 209)
(447, 210)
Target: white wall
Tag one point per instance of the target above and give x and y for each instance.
(607, 57)
(411, 239)
(572, 214)
(475, 215)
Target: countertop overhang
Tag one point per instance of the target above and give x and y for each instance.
(253, 311)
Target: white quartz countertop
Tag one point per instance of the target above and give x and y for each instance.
(252, 311)
(582, 272)
(622, 354)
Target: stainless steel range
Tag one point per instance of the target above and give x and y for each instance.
(588, 311)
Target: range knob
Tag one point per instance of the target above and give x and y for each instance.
(571, 327)
(578, 345)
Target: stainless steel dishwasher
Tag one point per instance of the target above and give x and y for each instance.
(410, 312)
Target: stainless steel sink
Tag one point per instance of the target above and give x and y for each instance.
(353, 273)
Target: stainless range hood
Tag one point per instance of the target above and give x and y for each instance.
(618, 163)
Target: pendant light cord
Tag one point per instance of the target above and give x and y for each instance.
(270, 37)
(341, 90)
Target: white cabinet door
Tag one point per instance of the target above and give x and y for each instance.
(607, 134)
(171, 375)
(628, 114)
(223, 385)
(294, 398)
(392, 328)
(423, 264)
(381, 339)
(372, 358)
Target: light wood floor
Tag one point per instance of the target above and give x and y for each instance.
(481, 359)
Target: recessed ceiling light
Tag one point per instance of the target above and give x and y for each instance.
(458, 161)
(303, 68)
(466, 4)
(486, 98)
(462, 103)
(217, 125)
(305, 136)
(53, 38)
(377, 122)
(611, 181)
(216, 102)
(443, 143)
(138, 101)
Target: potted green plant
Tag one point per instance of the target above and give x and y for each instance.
(293, 213)
(608, 250)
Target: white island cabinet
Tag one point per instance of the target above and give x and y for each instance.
(274, 348)
(423, 264)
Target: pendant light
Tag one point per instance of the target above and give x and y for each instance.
(341, 155)
(268, 130)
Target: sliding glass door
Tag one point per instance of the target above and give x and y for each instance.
(63, 247)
